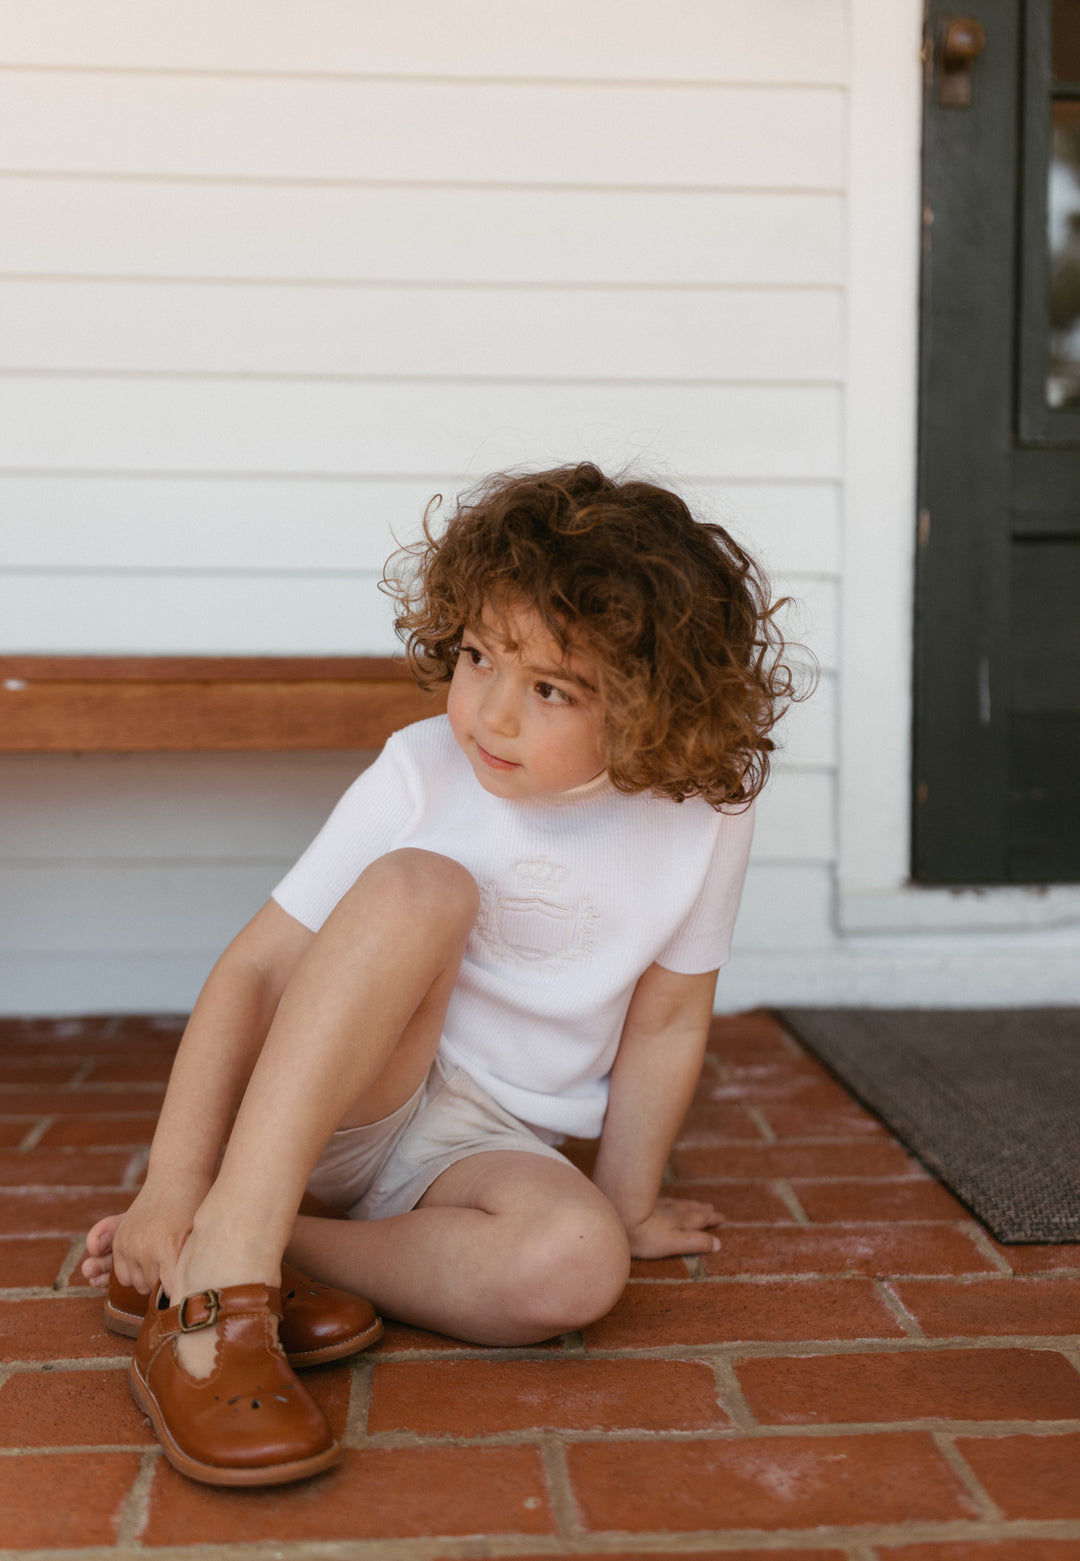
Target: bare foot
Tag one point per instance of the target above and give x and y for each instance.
(205, 1265)
(97, 1267)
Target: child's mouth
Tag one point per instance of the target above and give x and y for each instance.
(494, 763)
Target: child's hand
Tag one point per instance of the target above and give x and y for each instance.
(677, 1227)
(143, 1244)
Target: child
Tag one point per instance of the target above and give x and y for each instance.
(508, 932)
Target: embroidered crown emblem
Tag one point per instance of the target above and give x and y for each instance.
(534, 925)
(540, 876)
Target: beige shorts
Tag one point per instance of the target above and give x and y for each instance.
(385, 1168)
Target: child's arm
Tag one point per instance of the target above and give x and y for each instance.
(221, 1044)
(656, 1070)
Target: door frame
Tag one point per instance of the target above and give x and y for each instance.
(876, 896)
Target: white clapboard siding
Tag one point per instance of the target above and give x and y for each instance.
(161, 524)
(194, 614)
(89, 906)
(736, 333)
(223, 524)
(139, 228)
(150, 807)
(94, 423)
(795, 817)
(811, 616)
(784, 525)
(807, 735)
(274, 273)
(682, 40)
(249, 808)
(109, 981)
(172, 904)
(228, 127)
(261, 613)
(785, 905)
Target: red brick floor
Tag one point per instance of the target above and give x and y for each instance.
(861, 1372)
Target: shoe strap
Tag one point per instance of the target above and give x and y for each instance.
(206, 1307)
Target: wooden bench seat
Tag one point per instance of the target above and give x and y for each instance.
(155, 704)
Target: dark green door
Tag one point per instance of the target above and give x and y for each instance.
(997, 669)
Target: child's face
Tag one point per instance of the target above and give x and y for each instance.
(528, 720)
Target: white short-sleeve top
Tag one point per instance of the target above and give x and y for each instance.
(580, 892)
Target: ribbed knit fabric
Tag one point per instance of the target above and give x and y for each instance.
(581, 891)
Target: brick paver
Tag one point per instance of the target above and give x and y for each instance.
(1028, 1476)
(479, 1398)
(766, 1483)
(1020, 1304)
(859, 1374)
(1006, 1384)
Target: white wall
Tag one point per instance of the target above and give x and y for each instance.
(274, 273)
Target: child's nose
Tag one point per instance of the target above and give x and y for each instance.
(500, 709)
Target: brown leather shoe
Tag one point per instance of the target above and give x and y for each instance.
(250, 1422)
(318, 1323)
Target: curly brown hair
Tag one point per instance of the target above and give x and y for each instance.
(674, 616)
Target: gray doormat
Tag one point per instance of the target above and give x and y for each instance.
(988, 1099)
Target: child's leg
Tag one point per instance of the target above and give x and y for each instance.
(354, 1035)
(504, 1248)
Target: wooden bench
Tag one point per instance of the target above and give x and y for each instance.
(155, 704)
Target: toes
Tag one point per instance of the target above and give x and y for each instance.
(100, 1239)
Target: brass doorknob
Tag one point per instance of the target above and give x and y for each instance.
(962, 40)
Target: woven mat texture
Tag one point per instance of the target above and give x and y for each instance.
(989, 1100)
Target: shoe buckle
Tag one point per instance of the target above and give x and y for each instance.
(212, 1301)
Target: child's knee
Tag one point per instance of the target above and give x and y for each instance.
(415, 881)
(571, 1271)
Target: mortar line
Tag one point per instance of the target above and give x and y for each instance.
(906, 1319)
(137, 1506)
(781, 1186)
(733, 1434)
(963, 1471)
(568, 1525)
(356, 1422)
(760, 1121)
(981, 1240)
(67, 1267)
(730, 1395)
(35, 1134)
(140, 1159)
(880, 1344)
(854, 1543)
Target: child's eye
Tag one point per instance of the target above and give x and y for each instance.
(476, 657)
(552, 695)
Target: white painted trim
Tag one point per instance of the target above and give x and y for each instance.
(880, 428)
(874, 893)
(917, 910)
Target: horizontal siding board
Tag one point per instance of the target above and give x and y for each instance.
(152, 807)
(785, 905)
(228, 807)
(64, 614)
(414, 427)
(85, 907)
(626, 333)
(791, 527)
(390, 131)
(796, 817)
(118, 524)
(811, 616)
(139, 228)
(694, 40)
(807, 735)
(108, 981)
(94, 613)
